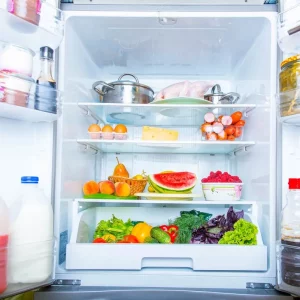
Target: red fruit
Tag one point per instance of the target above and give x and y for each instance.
(240, 123)
(231, 138)
(238, 132)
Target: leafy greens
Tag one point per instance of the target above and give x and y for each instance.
(114, 226)
(214, 229)
(244, 233)
(187, 222)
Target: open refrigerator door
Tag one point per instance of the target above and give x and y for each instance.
(28, 110)
(288, 249)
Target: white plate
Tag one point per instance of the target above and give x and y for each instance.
(171, 197)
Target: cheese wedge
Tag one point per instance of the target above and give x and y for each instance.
(159, 134)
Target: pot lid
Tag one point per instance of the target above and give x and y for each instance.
(216, 91)
(129, 82)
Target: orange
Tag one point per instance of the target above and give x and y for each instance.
(120, 128)
(107, 128)
(94, 128)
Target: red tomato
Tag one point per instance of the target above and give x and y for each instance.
(99, 240)
(236, 116)
(240, 123)
(130, 239)
(238, 132)
(231, 138)
(230, 130)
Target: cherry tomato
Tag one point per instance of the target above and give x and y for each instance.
(130, 239)
(230, 130)
(240, 123)
(99, 240)
(231, 138)
(236, 116)
(238, 132)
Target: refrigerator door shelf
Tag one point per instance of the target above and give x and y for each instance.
(289, 30)
(18, 31)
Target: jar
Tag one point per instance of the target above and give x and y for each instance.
(15, 89)
(289, 77)
(289, 85)
(29, 10)
(16, 59)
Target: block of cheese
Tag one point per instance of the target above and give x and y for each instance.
(159, 134)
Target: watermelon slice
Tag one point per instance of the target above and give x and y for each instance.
(173, 183)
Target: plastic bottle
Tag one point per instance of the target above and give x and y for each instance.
(290, 224)
(31, 235)
(4, 228)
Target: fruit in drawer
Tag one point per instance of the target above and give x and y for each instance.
(106, 187)
(176, 182)
(230, 130)
(90, 188)
(120, 170)
(122, 189)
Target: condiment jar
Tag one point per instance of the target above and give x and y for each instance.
(289, 77)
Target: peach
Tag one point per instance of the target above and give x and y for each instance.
(122, 189)
(106, 187)
(90, 188)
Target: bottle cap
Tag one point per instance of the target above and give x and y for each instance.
(30, 179)
(46, 52)
(294, 183)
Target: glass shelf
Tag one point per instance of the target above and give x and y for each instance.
(182, 147)
(288, 25)
(93, 202)
(48, 30)
(157, 114)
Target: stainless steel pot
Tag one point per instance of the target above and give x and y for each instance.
(218, 97)
(124, 91)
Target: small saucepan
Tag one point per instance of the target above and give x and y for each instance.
(124, 91)
(218, 97)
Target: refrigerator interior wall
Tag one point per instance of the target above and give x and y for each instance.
(236, 50)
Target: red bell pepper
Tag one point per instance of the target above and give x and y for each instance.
(99, 240)
(172, 230)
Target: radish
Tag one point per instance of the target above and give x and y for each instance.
(226, 120)
(217, 127)
(206, 127)
(222, 136)
(209, 117)
(211, 136)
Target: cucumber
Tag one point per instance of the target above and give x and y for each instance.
(150, 240)
(161, 236)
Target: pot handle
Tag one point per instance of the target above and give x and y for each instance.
(97, 83)
(236, 97)
(216, 86)
(128, 74)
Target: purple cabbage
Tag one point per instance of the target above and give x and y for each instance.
(214, 229)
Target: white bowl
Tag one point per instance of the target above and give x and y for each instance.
(218, 191)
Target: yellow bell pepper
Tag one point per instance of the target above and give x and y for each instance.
(141, 231)
(109, 238)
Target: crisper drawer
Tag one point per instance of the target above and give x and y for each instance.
(136, 257)
(84, 255)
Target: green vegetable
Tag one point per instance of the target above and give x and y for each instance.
(114, 226)
(160, 235)
(150, 240)
(187, 222)
(244, 233)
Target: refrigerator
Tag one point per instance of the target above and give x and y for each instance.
(234, 44)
